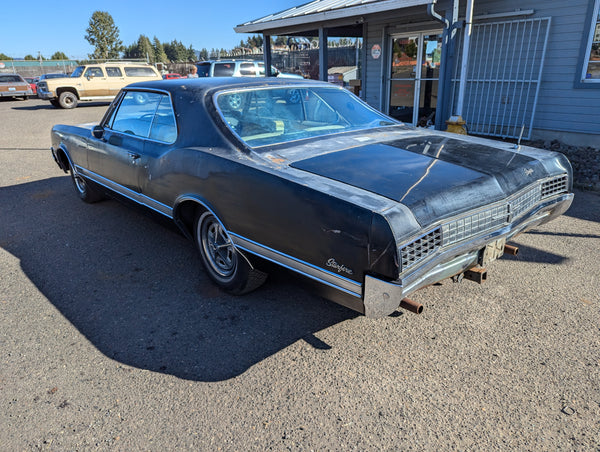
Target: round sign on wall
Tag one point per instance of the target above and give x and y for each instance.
(376, 51)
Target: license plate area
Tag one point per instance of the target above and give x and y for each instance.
(492, 251)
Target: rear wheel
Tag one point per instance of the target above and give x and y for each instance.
(225, 266)
(67, 99)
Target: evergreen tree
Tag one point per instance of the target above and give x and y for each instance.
(176, 51)
(159, 51)
(103, 34)
(144, 49)
(5, 57)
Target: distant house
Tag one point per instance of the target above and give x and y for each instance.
(533, 65)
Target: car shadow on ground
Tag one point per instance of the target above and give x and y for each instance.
(136, 289)
(47, 106)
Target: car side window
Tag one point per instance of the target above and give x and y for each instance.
(94, 72)
(247, 69)
(164, 127)
(136, 113)
(114, 72)
(139, 72)
(145, 115)
(223, 69)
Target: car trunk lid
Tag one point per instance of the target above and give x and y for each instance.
(434, 175)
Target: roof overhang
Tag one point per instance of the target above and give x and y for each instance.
(324, 11)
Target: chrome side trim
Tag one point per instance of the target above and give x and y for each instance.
(311, 271)
(315, 273)
(126, 192)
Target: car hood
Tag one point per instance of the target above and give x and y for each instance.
(435, 176)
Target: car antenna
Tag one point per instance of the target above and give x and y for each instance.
(518, 144)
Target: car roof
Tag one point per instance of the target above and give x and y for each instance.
(215, 83)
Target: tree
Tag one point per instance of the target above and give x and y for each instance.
(103, 34)
(159, 51)
(59, 56)
(130, 51)
(204, 54)
(176, 51)
(29, 58)
(145, 49)
(5, 57)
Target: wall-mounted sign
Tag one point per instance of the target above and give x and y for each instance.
(376, 51)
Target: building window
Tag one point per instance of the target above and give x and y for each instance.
(591, 67)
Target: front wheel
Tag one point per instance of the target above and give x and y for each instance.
(83, 189)
(67, 99)
(225, 266)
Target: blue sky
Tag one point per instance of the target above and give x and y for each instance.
(47, 27)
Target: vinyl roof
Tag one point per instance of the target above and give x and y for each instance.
(324, 10)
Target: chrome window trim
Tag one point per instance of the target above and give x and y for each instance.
(114, 108)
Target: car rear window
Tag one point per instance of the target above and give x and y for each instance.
(139, 72)
(10, 79)
(266, 116)
(223, 69)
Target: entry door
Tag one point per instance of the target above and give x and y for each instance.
(414, 77)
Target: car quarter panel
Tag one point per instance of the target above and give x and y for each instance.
(294, 219)
(73, 141)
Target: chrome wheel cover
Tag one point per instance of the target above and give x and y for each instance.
(80, 184)
(218, 248)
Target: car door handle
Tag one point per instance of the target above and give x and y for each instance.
(134, 156)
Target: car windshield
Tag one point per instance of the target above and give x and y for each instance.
(78, 71)
(267, 116)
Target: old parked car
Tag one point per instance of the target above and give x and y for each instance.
(238, 68)
(32, 83)
(94, 82)
(52, 75)
(13, 85)
(306, 175)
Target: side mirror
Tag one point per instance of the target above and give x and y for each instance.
(98, 132)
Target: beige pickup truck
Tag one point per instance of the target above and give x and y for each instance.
(94, 82)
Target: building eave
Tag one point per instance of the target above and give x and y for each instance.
(312, 13)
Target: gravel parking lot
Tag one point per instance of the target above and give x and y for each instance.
(113, 338)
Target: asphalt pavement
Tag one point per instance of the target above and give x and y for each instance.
(113, 338)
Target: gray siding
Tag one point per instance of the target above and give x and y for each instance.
(562, 104)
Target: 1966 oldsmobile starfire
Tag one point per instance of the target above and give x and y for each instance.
(306, 175)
